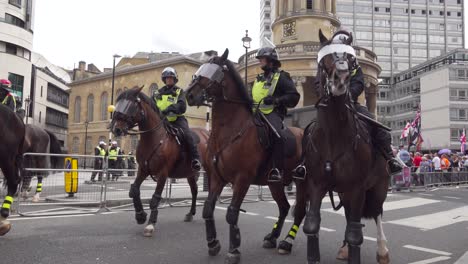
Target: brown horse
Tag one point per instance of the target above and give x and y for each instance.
(236, 156)
(11, 151)
(343, 159)
(158, 152)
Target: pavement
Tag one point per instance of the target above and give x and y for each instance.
(421, 227)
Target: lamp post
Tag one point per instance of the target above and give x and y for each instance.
(27, 101)
(86, 123)
(246, 43)
(111, 106)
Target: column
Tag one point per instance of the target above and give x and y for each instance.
(280, 7)
(299, 80)
(303, 6)
(316, 5)
(290, 6)
(277, 8)
(371, 97)
(328, 6)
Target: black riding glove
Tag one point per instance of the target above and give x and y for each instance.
(270, 100)
(168, 110)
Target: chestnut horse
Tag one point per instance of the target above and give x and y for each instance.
(338, 148)
(11, 151)
(236, 156)
(158, 153)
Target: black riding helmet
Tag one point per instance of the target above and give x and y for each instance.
(270, 54)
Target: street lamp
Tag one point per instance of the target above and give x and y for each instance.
(246, 43)
(111, 106)
(27, 101)
(86, 123)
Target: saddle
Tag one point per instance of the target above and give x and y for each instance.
(266, 137)
(179, 134)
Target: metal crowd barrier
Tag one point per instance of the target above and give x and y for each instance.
(413, 179)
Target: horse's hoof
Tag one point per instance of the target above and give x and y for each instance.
(284, 248)
(5, 227)
(385, 259)
(149, 230)
(269, 243)
(36, 198)
(214, 249)
(232, 257)
(188, 217)
(342, 253)
(141, 217)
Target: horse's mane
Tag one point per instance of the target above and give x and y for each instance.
(133, 93)
(237, 80)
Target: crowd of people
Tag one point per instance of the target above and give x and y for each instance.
(438, 165)
(117, 161)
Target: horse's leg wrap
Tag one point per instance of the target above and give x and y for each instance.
(154, 208)
(140, 214)
(134, 191)
(312, 223)
(208, 209)
(39, 184)
(5, 210)
(313, 249)
(234, 237)
(353, 234)
(232, 215)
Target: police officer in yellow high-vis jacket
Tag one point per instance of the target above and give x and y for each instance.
(6, 98)
(170, 100)
(115, 157)
(273, 92)
(100, 152)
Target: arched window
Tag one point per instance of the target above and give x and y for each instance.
(75, 145)
(153, 88)
(90, 108)
(77, 116)
(104, 104)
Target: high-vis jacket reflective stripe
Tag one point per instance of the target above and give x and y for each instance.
(113, 153)
(166, 101)
(5, 100)
(102, 152)
(260, 90)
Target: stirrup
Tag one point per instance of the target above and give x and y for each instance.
(274, 175)
(299, 172)
(196, 165)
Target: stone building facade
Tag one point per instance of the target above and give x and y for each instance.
(90, 97)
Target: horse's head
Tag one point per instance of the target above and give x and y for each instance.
(336, 60)
(207, 82)
(128, 112)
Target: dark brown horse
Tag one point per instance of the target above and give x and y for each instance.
(11, 146)
(338, 149)
(39, 140)
(236, 156)
(158, 152)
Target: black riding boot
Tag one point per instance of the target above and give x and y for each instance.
(394, 165)
(275, 174)
(196, 164)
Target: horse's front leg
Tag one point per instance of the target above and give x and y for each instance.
(8, 172)
(312, 222)
(154, 204)
(277, 191)
(216, 186)
(140, 214)
(192, 181)
(353, 235)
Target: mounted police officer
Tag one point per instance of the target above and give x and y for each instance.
(170, 100)
(100, 152)
(274, 92)
(6, 98)
(381, 137)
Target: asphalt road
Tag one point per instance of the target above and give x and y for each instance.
(422, 228)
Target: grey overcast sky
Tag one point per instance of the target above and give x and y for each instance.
(93, 30)
(66, 32)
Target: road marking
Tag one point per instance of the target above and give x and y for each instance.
(47, 217)
(221, 208)
(452, 197)
(396, 205)
(436, 220)
(276, 218)
(370, 238)
(249, 213)
(428, 250)
(463, 259)
(431, 260)
(426, 194)
(327, 229)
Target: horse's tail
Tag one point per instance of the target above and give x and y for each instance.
(55, 148)
(332, 199)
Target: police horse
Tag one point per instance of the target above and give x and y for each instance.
(39, 140)
(11, 146)
(235, 155)
(338, 149)
(158, 153)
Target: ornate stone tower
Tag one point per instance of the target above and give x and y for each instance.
(295, 35)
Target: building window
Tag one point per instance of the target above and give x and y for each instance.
(423, 12)
(153, 89)
(413, 11)
(56, 95)
(376, 9)
(17, 82)
(14, 20)
(11, 49)
(441, 13)
(90, 108)
(459, 14)
(387, 10)
(56, 118)
(104, 104)
(430, 12)
(267, 15)
(267, 3)
(458, 114)
(40, 116)
(309, 4)
(441, 1)
(267, 27)
(76, 117)
(75, 145)
(16, 3)
(41, 90)
(449, 13)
